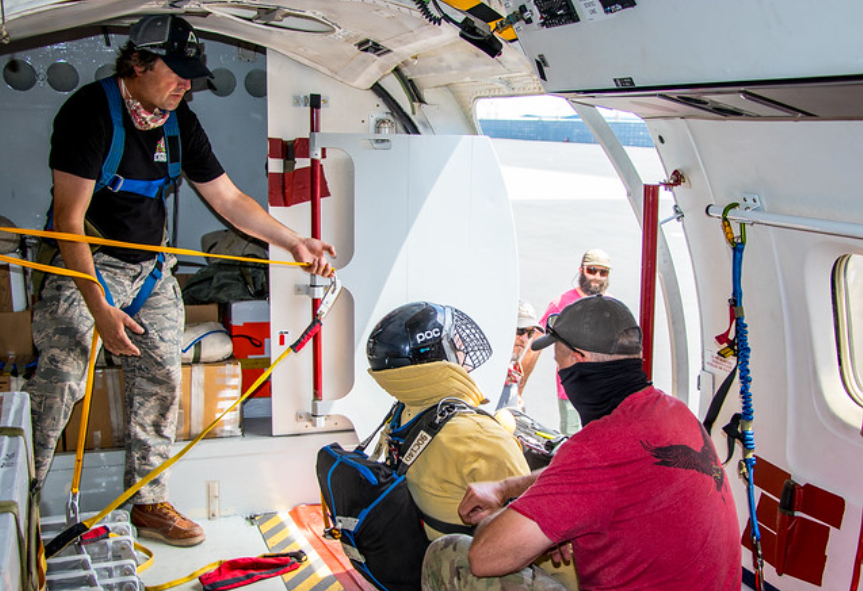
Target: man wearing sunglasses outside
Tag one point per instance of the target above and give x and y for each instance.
(117, 188)
(637, 499)
(592, 278)
(525, 328)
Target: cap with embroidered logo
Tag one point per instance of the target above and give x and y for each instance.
(174, 40)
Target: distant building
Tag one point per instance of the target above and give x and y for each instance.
(564, 129)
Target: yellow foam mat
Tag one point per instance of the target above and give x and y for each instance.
(282, 535)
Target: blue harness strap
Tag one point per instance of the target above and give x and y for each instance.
(143, 293)
(108, 178)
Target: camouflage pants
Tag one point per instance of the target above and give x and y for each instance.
(446, 568)
(62, 332)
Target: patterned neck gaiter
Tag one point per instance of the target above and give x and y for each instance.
(142, 118)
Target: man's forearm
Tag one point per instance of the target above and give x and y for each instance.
(77, 257)
(514, 487)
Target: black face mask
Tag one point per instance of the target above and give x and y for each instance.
(596, 389)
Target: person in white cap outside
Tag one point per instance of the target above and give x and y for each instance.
(592, 278)
(526, 327)
(638, 499)
(118, 145)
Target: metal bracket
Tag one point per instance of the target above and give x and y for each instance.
(750, 202)
(313, 291)
(302, 100)
(677, 215)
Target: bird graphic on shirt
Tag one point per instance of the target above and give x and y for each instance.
(685, 458)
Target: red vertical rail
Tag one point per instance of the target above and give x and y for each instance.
(315, 156)
(649, 234)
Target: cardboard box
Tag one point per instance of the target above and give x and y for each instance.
(209, 389)
(16, 338)
(202, 313)
(248, 323)
(13, 294)
(107, 418)
(16, 349)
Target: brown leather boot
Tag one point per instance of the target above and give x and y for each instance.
(160, 521)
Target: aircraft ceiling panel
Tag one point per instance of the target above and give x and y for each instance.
(680, 43)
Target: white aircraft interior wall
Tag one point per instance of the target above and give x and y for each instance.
(797, 387)
(235, 123)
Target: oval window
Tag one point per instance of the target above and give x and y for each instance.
(848, 318)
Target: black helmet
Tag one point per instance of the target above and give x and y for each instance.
(423, 332)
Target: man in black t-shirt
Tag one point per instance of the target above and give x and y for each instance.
(154, 70)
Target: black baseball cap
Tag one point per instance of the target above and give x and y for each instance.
(593, 323)
(174, 40)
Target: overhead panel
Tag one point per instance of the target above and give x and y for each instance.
(601, 45)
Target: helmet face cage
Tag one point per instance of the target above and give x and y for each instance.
(470, 347)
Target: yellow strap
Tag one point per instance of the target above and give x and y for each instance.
(146, 552)
(51, 269)
(161, 468)
(94, 350)
(85, 414)
(131, 245)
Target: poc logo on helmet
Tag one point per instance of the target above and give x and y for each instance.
(428, 334)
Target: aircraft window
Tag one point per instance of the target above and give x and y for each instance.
(62, 76)
(19, 75)
(223, 82)
(104, 71)
(848, 318)
(256, 83)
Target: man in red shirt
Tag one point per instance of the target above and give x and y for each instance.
(637, 498)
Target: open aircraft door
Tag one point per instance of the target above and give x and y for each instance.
(413, 218)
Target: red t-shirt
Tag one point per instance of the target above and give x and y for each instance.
(644, 501)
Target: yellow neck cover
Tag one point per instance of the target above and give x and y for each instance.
(428, 383)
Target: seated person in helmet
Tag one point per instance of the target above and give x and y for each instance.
(421, 353)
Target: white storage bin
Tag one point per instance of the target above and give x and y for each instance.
(15, 418)
(10, 553)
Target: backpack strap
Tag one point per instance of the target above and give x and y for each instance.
(423, 428)
(718, 400)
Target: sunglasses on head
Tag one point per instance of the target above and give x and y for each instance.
(549, 329)
(525, 331)
(596, 271)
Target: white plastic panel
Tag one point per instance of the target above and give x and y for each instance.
(805, 422)
(431, 221)
(681, 42)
